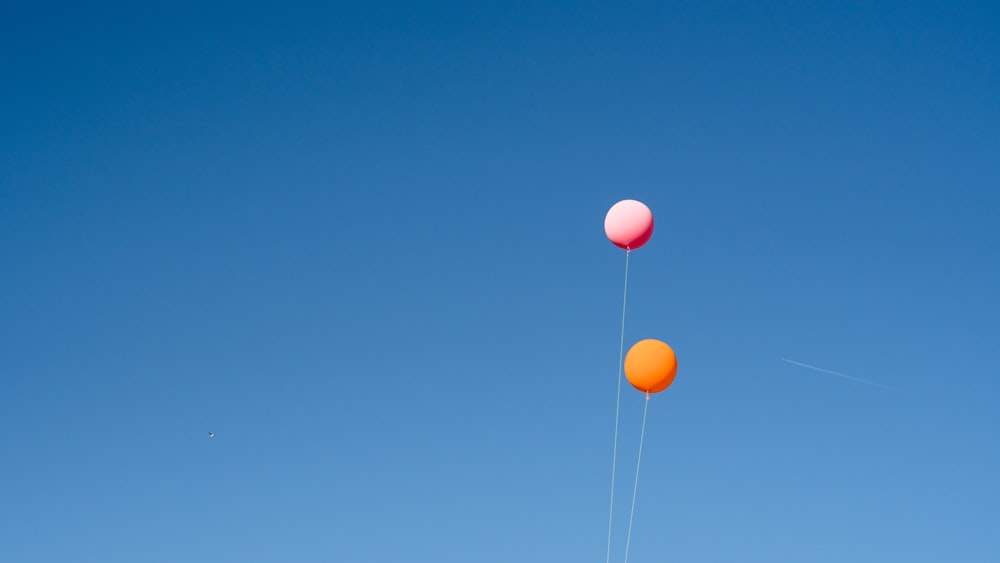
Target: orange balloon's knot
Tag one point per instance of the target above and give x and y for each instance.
(647, 395)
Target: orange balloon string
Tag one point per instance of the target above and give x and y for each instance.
(635, 488)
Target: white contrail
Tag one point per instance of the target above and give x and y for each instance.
(852, 378)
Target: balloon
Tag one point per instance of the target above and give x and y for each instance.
(629, 224)
(650, 365)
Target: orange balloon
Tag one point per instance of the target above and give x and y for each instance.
(650, 365)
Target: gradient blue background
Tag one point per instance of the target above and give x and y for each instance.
(363, 244)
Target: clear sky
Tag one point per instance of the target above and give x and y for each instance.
(363, 244)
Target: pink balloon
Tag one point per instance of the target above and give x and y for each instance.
(629, 224)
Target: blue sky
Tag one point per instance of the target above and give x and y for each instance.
(362, 243)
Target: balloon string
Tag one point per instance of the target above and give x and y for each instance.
(642, 434)
(618, 402)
